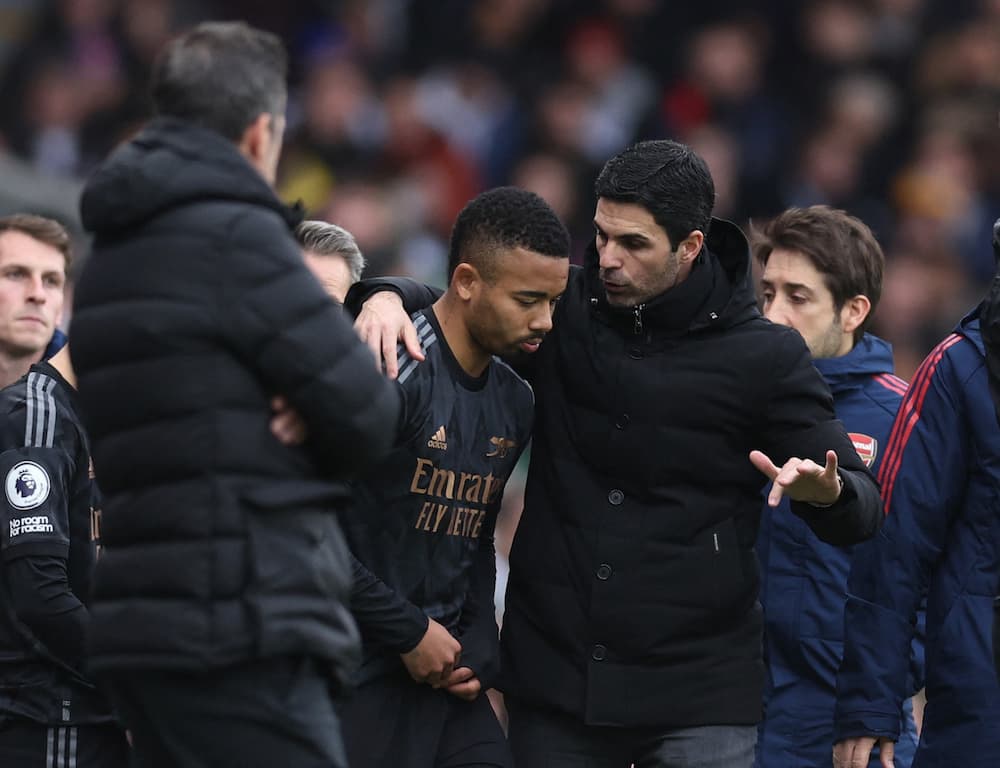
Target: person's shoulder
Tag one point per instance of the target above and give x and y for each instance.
(511, 382)
(412, 372)
(49, 414)
(13, 414)
(250, 230)
(953, 361)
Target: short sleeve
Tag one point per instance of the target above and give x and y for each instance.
(34, 516)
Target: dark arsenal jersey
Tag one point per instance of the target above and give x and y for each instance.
(422, 523)
(49, 523)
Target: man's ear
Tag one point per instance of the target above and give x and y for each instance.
(854, 313)
(690, 246)
(256, 140)
(466, 280)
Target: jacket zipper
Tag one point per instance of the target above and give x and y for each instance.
(637, 309)
(715, 541)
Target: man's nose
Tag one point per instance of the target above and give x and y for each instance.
(777, 312)
(36, 289)
(541, 321)
(609, 256)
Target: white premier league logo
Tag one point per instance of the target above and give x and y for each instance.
(27, 485)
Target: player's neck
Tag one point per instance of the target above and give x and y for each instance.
(472, 357)
(13, 367)
(61, 362)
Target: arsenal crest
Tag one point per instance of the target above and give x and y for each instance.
(866, 446)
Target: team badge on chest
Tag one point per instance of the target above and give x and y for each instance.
(866, 446)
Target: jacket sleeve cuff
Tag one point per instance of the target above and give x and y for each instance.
(871, 724)
(413, 633)
(853, 518)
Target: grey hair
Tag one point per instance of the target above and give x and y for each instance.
(328, 239)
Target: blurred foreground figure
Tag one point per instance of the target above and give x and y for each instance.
(219, 614)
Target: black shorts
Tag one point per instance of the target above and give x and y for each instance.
(27, 744)
(394, 722)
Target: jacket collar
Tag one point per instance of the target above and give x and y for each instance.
(869, 357)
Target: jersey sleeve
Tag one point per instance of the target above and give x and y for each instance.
(35, 505)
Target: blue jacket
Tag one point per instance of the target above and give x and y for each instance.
(804, 581)
(940, 480)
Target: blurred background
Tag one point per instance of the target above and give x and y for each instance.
(401, 110)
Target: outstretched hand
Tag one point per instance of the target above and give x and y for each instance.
(801, 479)
(382, 323)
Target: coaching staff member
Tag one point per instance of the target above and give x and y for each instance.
(218, 613)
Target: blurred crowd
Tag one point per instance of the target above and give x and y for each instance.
(402, 110)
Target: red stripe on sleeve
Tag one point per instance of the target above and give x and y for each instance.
(892, 383)
(909, 415)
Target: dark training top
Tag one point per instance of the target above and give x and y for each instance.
(48, 544)
(423, 520)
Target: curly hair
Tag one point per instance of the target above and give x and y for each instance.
(505, 218)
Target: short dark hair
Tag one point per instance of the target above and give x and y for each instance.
(840, 246)
(505, 217)
(668, 179)
(48, 231)
(327, 239)
(221, 76)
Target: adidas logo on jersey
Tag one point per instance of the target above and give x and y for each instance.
(438, 440)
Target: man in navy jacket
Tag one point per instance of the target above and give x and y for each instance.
(940, 481)
(822, 275)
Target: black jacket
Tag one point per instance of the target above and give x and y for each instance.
(194, 310)
(632, 597)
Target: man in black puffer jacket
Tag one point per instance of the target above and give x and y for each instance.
(219, 614)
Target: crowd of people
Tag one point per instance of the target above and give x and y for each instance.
(233, 538)
(400, 111)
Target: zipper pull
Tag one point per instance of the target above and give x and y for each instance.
(637, 309)
(715, 540)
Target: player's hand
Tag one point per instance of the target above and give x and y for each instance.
(286, 423)
(435, 656)
(801, 479)
(462, 682)
(382, 323)
(856, 752)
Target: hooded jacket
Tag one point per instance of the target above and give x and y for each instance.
(221, 545)
(632, 598)
(804, 580)
(940, 478)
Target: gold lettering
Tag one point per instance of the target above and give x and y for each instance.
(496, 490)
(418, 473)
(472, 494)
(441, 510)
(442, 483)
(461, 484)
(424, 518)
(478, 527)
(470, 518)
